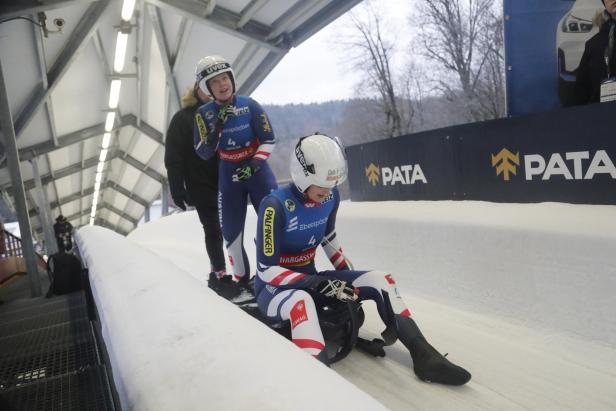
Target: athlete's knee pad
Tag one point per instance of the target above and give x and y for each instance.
(376, 279)
(381, 287)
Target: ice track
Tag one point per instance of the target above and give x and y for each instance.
(494, 285)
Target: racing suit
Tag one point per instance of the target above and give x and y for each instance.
(290, 228)
(240, 134)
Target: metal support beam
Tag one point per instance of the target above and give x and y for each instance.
(223, 20)
(90, 190)
(82, 177)
(320, 19)
(165, 55)
(130, 141)
(6, 123)
(18, 8)
(120, 213)
(164, 197)
(244, 59)
(99, 220)
(63, 172)
(7, 207)
(266, 66)
(44, 212)
(77, 42)
(38, 36)
(291, 17)
(54, 181)
(145, 169)
(129, 194)
(145, 128)
(28, 153)
(140, 59)
(183, 35)
(40, 53)
(249, 12)
(316, 22)
(37, 230)
(73, 197)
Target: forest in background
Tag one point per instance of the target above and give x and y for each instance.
(453, 73)
(347, 119)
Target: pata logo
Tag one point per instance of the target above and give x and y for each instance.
(372, 172)
(406, 174)
(506, 163)
(572, 165)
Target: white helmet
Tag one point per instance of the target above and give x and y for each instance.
(211, 66)
(320, 160)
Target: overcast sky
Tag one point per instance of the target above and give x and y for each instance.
(316, 71)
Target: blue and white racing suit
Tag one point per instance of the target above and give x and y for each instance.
(289, 230)
(241, 135)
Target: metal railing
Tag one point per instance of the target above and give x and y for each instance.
(10, 248)
(10, 245)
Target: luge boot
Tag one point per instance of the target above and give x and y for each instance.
(224, 286)
(322, 356)
(428, 364)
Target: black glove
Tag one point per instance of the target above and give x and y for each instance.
(339, 289)
(180, 200)
(246, 171)
(177, 189)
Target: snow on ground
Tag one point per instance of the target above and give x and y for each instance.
(522, 295)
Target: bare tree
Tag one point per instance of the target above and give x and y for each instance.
(491, 86)
(456, 34)
(412, 95)
(359, 124)
(373, 56)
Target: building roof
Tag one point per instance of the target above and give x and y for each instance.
(58, 79)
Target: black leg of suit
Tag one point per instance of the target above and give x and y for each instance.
(213, 236)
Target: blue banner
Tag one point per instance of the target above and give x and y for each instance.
(544, 41)
(567, 156)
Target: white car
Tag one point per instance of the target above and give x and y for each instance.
(573, 30)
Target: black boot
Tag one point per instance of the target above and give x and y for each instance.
(322, 356)
(245, 280)
(224, 286)
(429, 365)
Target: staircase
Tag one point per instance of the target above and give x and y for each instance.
(50, 357)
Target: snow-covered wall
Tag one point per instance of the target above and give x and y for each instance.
(175, 345)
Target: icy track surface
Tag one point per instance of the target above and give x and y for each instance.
(522, 295)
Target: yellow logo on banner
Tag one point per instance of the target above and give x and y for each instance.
(505, 162)
(373, 172)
